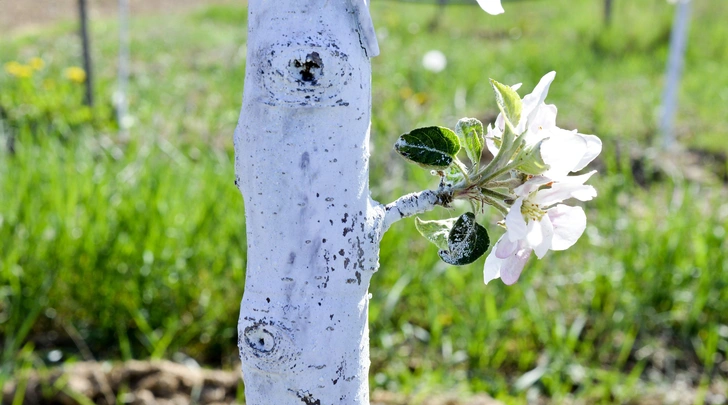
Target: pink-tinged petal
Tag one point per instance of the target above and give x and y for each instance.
(511, 268)
(505, 248)
(562, 152)
(508, 269)
(593, 149)
(569, 224)
(515, 223)
(547, 234)
(491, 269)
(491, 6)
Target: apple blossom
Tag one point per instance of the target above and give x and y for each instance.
(536, 222)
(527, 181)
(564, 151)
(491, 6)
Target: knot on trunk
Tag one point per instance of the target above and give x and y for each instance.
(266, 346)
(306, 70)
(310, 68)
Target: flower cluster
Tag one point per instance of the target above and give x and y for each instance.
(527, 181)
(39, 94)
(537, 221)
(23, 71)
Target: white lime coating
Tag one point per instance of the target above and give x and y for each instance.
(313, 232)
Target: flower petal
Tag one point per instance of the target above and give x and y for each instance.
(541, 124)
(491, 6)
(505, 248)
(533, 101)
(531, 185)
(540, 235)
(491, 269)
(593, 149)
(511, 268)
(569, 224)
(567, 187)
(508, 269)
(515, 223)
(493, 133)
(563, 151)
(534, 233)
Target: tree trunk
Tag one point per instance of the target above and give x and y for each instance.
(302, 155)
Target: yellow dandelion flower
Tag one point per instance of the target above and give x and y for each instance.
(37, 63)
(18, 70)
(75, 74)
(11, 66)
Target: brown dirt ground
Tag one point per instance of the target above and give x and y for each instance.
(18, 15)
(162, 383)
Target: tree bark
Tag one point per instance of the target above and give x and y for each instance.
(302, 152)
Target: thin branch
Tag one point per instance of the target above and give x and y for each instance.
(413, 204)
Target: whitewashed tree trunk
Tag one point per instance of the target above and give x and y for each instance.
(302, 153)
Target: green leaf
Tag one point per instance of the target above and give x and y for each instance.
(532, 162)
(470, 132)
(467, 241)
(453, 175)
(509, 102)
(436, 232)
(429, 147)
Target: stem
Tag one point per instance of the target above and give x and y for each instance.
(507, 149)
(496, 204)
(508, 184)
(498, 173)
(460, 166)
(497, 195)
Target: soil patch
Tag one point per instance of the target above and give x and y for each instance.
(163, 382)
(133, 382)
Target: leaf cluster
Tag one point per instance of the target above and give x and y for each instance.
(462, 240)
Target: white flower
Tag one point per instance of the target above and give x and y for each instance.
(491, 6)
(434, 61)
(564, 151)
(536, 222)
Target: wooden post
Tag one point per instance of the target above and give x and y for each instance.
(678, 42)
(120, 100)
(607, 12)
(89, 98)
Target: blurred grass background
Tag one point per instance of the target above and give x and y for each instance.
(136, 247)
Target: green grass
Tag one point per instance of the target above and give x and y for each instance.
(139, 244)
